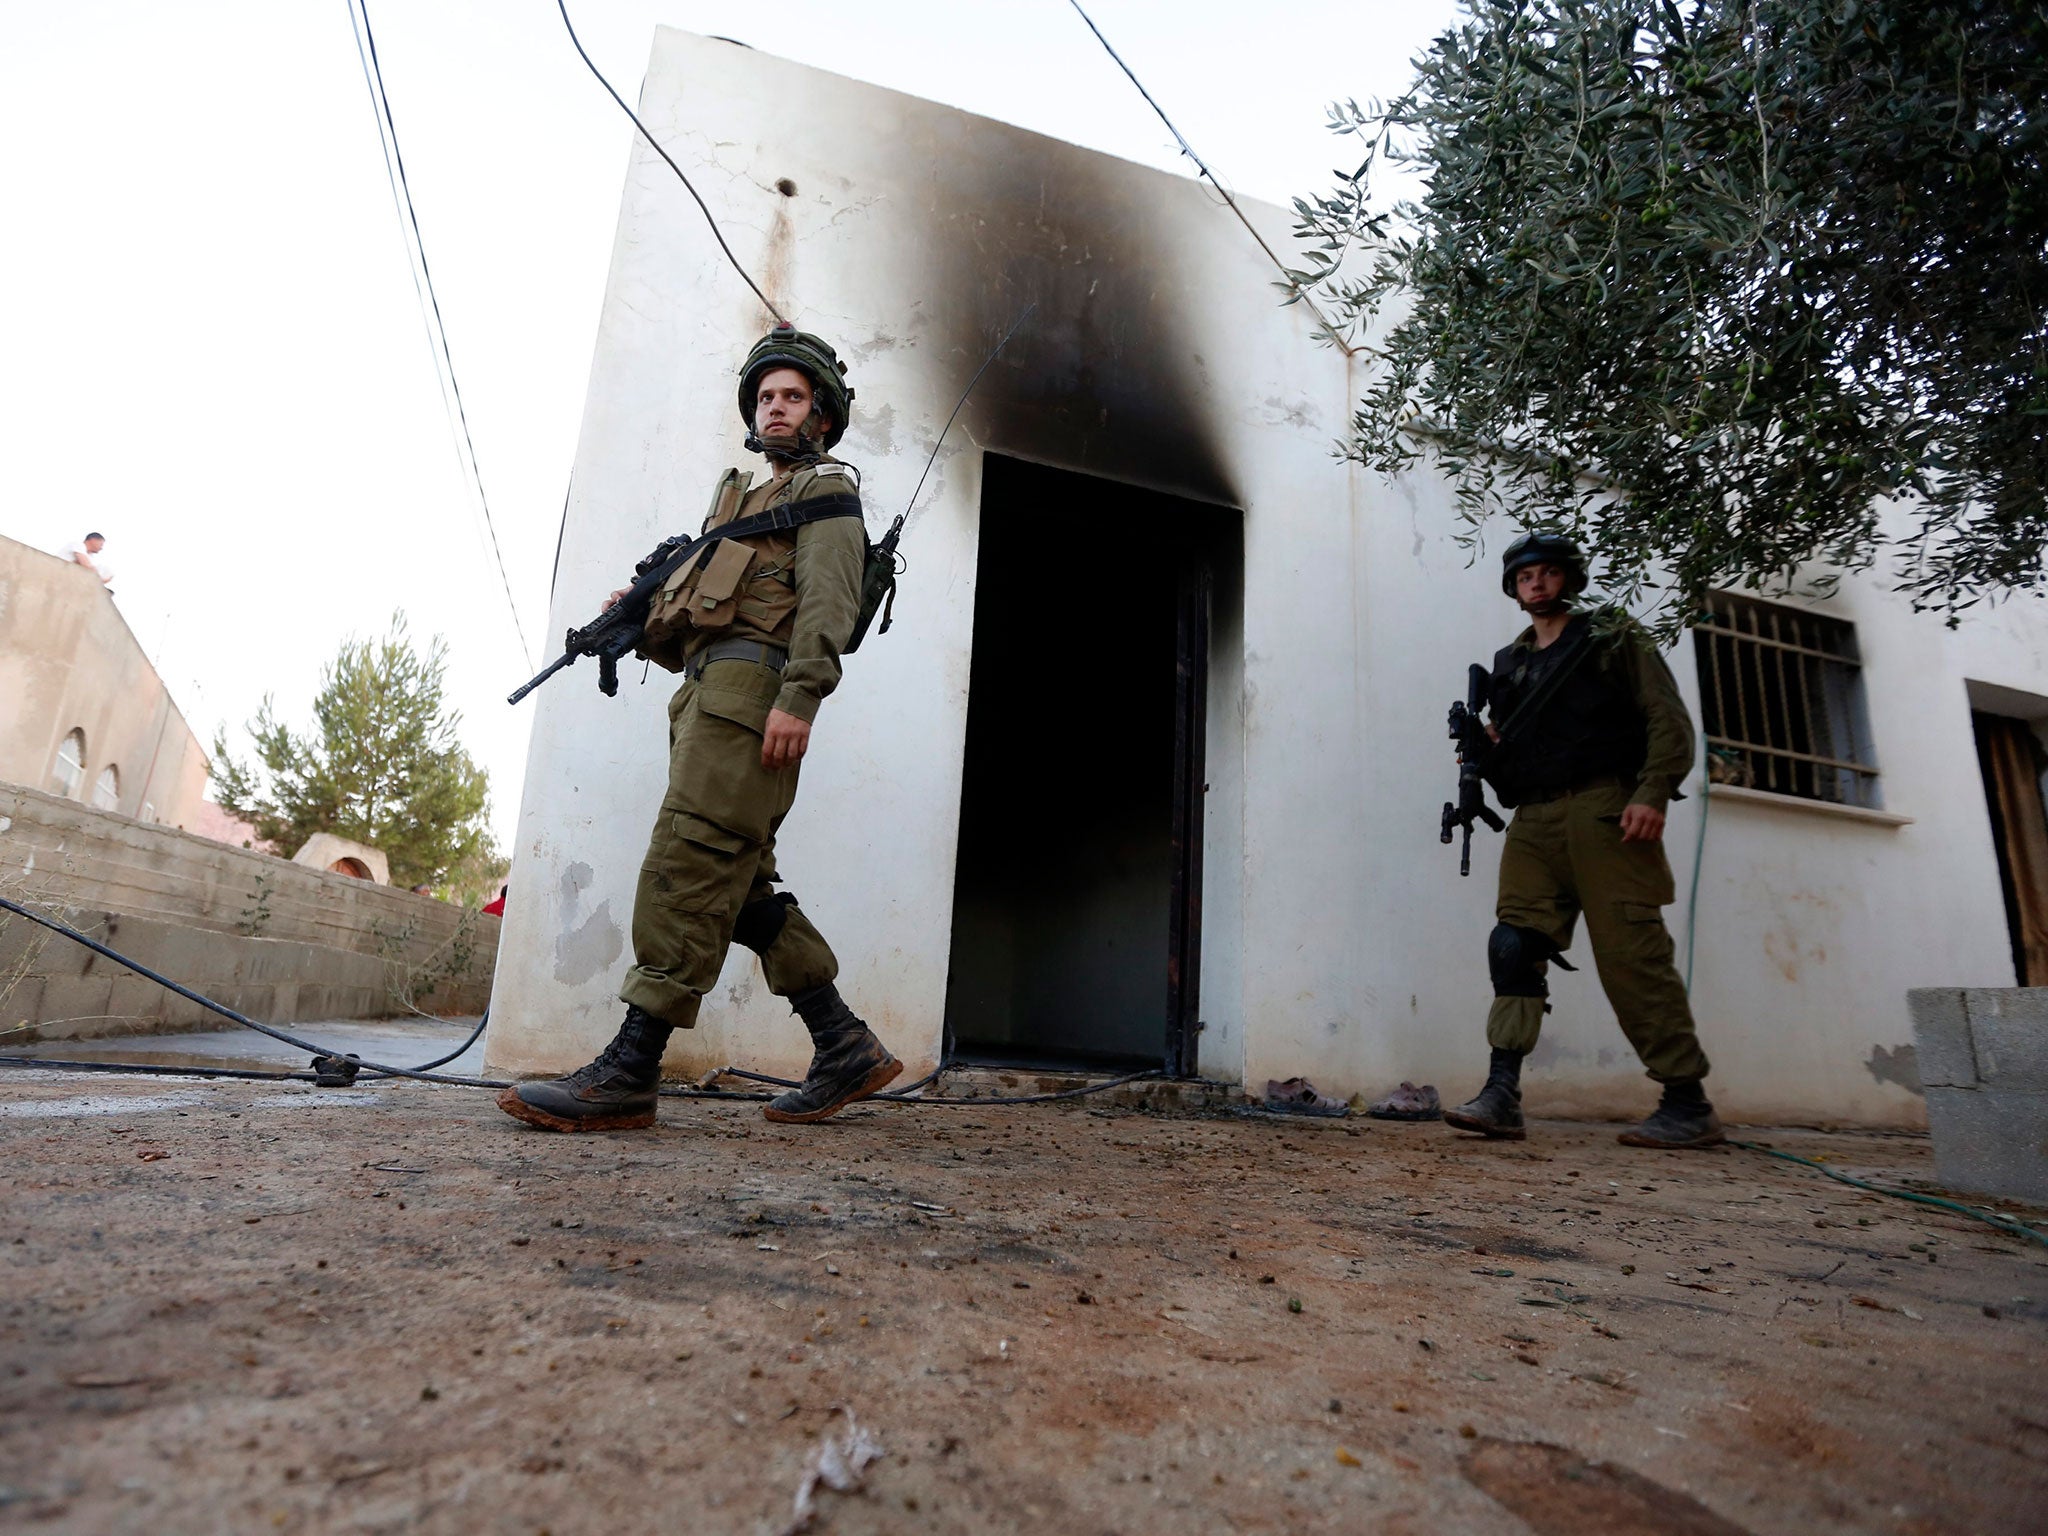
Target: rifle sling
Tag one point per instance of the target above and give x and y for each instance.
(775, 520)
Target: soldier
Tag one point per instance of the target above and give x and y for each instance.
(1590, 768)
(756, 626)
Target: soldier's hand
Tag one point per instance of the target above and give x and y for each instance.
(1642, 824)
(613, 600)
(783, 740)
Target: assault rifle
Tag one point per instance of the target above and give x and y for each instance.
(616, 631)
(1481, 752)
(1474, 745)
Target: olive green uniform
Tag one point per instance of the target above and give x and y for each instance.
(1564, 855)
(712, 853)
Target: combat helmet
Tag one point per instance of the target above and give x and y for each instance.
(1544, 549)
(813, 357)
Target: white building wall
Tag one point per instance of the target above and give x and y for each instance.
(1338, 940)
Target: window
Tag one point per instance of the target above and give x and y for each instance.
(106, 789)
(1781, 693)
(68, 772)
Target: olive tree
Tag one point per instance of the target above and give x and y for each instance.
(1734, 291)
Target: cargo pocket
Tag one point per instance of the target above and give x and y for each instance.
(694, 870)
(715, 771)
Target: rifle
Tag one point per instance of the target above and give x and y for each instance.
(1469, 732)
(617, 630)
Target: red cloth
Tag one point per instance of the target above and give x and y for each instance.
(496, 908)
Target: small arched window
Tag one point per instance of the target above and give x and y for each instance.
(106, 789)
(67, 774)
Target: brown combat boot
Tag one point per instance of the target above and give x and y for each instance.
(1682, 1120)
(850, 1063)
(1496, 1110)
(616, 1092)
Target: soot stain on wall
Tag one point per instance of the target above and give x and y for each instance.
(1105, 377)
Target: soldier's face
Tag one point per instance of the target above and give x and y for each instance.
(783, 405)
(1540, 588)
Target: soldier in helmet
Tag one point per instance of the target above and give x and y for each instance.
(756, 627)
(1589, 767)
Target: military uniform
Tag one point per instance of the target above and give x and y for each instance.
(754, 625)
(1586, 728)
(1615, 734)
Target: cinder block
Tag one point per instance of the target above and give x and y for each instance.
(1941, 1037)
(2009, 1028)
(1991, 1141)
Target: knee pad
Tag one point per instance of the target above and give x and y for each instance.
(1515, 957)
(759, 923)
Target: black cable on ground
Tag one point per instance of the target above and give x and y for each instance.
(423, 1074)
(766, 302)
(309, 1046)
(2010, 1226)
(152, 1069)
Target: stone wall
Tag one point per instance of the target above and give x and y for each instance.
(278, 941)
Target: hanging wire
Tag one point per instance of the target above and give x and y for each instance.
(1203, 166)
(766, 302)
(437, 332)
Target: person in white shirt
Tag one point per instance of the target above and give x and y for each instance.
(86, 551)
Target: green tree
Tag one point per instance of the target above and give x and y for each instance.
(382, 765)
(1714, 285)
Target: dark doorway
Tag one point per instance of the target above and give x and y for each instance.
(2015, 769)
(1077, 897)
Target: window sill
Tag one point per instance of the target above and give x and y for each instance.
(1743, 795)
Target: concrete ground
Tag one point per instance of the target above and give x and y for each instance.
(252, 1307)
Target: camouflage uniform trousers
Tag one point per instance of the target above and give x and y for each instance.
(1565, 856)
(713, 851)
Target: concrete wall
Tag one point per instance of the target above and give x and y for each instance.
(1338, 940)
(1984, 1056)
(68, 661)
(278, 941)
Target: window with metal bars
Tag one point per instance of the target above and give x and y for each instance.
(1781, 696)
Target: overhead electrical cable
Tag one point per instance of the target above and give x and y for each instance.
(766, 302)
(430, 301)
(1203, 166)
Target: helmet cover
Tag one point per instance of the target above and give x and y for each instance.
(811, 356)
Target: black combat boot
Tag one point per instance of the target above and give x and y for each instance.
(850, 1062)
(1683, 1119)
(616, 1092)
(1496, 1110)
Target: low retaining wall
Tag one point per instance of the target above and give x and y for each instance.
(1984, 1063)
(278, 941)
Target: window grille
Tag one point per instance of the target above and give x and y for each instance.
(67, 773)
(1781, 695)
(106, 790)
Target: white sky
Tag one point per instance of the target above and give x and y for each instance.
(210, 349)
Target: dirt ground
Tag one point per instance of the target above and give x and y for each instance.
(251, 1307)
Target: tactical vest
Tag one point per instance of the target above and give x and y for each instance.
(1590, 728)
(738, 588)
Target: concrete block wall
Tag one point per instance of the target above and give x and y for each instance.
(1983, 1058)
(278, 941)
